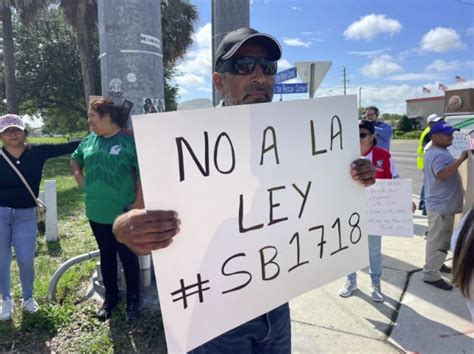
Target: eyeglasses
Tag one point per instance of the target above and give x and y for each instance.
(369, 115)
(12, 131)
(363, 135)
(246, 65)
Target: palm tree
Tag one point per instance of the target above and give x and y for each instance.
(82, 16)
(27, 10)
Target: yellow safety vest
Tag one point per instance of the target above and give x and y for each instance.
(421, 149)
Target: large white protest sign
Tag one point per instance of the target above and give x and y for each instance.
(389, 205)
(268, 208)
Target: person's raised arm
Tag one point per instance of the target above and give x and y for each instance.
(449, 170)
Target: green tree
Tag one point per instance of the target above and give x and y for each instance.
(49, 71)
(177, 22)
(404, 124)
(49, 64)
(82, 16)
(27, 10)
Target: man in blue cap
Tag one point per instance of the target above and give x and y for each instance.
(444, 199)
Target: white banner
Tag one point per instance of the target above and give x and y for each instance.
(389, 208)
(268, 208)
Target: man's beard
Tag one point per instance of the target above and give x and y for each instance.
(263, 94)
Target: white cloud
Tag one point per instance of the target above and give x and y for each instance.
(370, 26)
(284, 64)
(189, 80)
(380, 66)
(195, 68)
(416, 77)
(389, 99)
(462, 85)
(296, 8)
(441, 40)
(296, 42)
(182, 91)
(440, 65)
(369, 53)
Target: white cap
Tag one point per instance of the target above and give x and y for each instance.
(433, 118)
(11, 120)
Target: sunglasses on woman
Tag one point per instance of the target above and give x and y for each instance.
(246, 65)
(363, 135)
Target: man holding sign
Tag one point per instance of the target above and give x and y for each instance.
(246, 63)
(444, 199)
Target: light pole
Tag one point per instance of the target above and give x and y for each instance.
(360, 97)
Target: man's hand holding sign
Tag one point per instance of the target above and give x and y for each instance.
(266, 196)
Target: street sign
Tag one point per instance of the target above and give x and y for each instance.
(285, 75)
(313, 72)
(291, 88)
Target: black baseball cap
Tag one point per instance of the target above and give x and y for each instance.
(367, 124)
(235, 39)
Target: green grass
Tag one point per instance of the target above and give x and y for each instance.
(414, 135)
(46, 139)
(69, 325)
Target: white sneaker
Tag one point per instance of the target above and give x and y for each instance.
(30, 305)
(348, 289)
(376, 293)
(7, 310)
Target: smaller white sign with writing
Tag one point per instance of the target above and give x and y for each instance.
(388, 204)
(460, 144)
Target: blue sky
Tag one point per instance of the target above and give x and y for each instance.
(390, 48)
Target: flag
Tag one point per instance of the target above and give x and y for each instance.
(426, 90)
(459, 79)
(442, 87)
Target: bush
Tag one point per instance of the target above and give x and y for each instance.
(398, 134)
(404, 124)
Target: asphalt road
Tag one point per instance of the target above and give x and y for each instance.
(404, 154)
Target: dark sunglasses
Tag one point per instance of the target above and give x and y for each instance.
(363, 135)
(246, 65)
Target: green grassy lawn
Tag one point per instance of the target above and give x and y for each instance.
(69, 325)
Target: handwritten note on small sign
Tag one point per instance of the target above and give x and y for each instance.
(388, 204)
(268, 208)
(461, 142)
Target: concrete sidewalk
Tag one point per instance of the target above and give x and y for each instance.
(415, 317)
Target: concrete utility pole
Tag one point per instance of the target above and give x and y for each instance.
(131, 63)
(131, 53)
(227, 15)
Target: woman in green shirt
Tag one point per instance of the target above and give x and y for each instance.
(105, 166)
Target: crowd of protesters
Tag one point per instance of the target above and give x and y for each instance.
(105, 166)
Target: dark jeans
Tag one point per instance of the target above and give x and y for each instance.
(422, 204)
(266, 334)
(109, 247)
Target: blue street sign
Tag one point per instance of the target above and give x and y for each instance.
(285, 75)
(291, 88)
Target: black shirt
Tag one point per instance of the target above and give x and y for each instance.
(13, 193)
